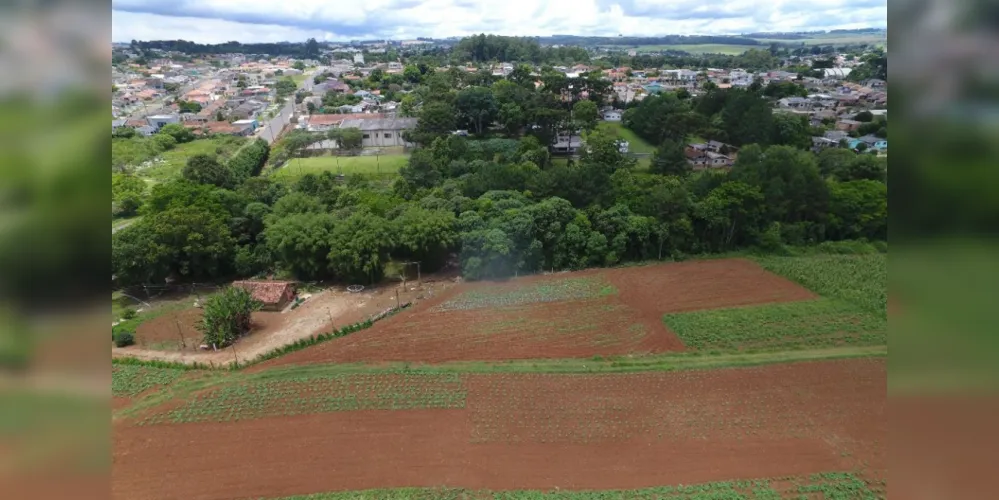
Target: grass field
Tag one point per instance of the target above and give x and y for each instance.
(829, 485)
(169, 164)
(829, 39)
(635, 144)
(376, 166)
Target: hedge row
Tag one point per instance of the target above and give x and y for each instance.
(250, 160)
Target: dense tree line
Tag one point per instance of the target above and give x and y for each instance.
(592, 41)
(733, 116)
(309, 49)
(496, 204)
(485, 48)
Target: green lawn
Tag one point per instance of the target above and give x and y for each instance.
(635, 144)
(365, 165)
(169, 164)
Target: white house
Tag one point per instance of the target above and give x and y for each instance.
(358, 58)
(612, 115)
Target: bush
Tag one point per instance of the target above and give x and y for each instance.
(128, 314)
(124, 339)
(227, 316)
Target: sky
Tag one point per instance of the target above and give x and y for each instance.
(216, 21)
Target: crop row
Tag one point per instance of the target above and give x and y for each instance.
(829, 486)
(131, 380)
(533, 293)
(861, 280)
(308, 395)
(792, 325)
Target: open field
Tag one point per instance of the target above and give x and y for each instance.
(590, 313)
(168, 164)
(829, 39)
(381, 165)
(635, 144)
(524, 431)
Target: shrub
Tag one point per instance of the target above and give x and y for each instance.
(128, 314)
(124, 339)
(227, 316)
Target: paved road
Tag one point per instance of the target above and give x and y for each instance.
(271, 130)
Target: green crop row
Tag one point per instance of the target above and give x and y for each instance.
(828, 486)
(130, 380)
(861, 280)
(792, 325)
(319, 394)
(547, 291)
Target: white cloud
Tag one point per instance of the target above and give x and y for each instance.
(213, 21)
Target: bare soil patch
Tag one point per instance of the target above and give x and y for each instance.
(530, 431)
(612, 312)
(554, 330)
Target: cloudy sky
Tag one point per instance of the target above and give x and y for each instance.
(214, 21)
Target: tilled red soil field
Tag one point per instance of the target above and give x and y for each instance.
(626, 319)
(531, 431)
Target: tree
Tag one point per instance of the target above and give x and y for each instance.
(299, 65)
(511, 118)
(585, 114)
(789, 179)
(311, 107)
(428, 236)
(350, 139)
(126, 194)
(833, 161)
(477, 106)
(376, 75)
(226, 316)
(205, 169)
(301, 243)
(858, 209)
(188, 106)
(670, 159)
(412, 74)
(791, 130)
(360, 246)
(186, 243)
(864, 116)
(437, 119)
(180, 133)
(311, 49)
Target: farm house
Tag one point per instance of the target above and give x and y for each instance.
(274, 295)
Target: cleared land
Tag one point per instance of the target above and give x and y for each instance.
(524, 431)
(635, 144)
(168, 165)
(573, 315)
(381, 165)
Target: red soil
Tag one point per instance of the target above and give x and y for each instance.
(161, 332)
(528, 431)
(629, 322)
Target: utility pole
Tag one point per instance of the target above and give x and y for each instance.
(180, 334)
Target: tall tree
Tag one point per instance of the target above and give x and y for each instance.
(477, 106)
(585, 114)
(670, 159)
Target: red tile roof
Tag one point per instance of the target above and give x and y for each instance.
(268, 292)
